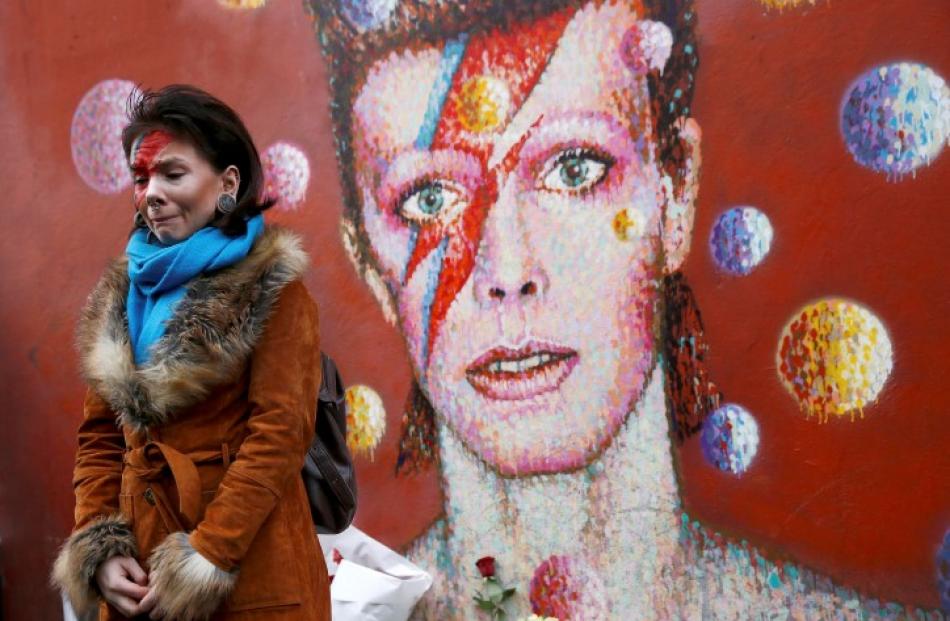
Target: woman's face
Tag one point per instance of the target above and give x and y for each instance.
(519, 228)
(174, 187)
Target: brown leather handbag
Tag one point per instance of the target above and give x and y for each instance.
(328, 472)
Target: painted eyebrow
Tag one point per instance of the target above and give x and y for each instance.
(569, 127)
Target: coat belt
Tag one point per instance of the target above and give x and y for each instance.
(151, 461)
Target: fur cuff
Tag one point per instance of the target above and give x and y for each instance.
(75, 568)
(188, 587)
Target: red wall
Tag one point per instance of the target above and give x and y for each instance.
(866, 502)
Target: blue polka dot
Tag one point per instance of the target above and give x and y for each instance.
(367, 14)
(740, 239)
(730, 439)
(896, 118)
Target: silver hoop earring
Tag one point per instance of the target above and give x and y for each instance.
(225, 204)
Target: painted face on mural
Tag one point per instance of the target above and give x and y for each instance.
(174, 187)
(513, 205)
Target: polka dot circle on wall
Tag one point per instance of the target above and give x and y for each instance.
(834, 357)
(242, 4)
(96, 136)
(286, 175)
(483, 103)
(896, 118)
(367, 14)
(730, 438)
(365, 419)
(567, 588)
(740, 239)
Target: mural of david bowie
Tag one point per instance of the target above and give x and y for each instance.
(520, 180)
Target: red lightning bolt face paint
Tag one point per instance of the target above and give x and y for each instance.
(520, 56)
(142, 164)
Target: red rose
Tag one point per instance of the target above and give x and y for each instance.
(486, 566)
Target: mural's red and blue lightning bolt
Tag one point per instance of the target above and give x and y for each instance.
(456, 244)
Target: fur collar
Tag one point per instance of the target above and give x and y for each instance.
(207, 340)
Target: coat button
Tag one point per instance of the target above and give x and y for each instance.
(150, 496)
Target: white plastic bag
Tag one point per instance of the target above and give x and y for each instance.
(371, 582)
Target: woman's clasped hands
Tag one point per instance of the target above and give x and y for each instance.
(124, 584)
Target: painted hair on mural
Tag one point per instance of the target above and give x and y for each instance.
(214, 129)
(354, 35)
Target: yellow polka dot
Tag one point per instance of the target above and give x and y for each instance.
(365, 419)
(628, 223)
(834, 357)
(242, 4)
(483, 103)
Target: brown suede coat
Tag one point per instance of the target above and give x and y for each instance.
(191, 462)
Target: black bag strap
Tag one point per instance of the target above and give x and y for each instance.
(332, 394)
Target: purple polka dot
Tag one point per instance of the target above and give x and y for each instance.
(730, 439)
(367, 14)
(896, 118)
(286, 175)
(740, 239)
(96, 136)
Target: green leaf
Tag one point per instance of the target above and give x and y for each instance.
(484, 604)
(493, 589)
(508, 593)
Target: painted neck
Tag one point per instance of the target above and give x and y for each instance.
(523, 521)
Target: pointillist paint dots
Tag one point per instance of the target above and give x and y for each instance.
(566, 588)
(365, 419)
(286, 175)
(943, 572)
(242, 4)
(646, 47)
(740, 239)
(730, 439)
(896, 118)
(483, 103)
(629, 224)
(834, 357)
(96, 136)
(367, 14)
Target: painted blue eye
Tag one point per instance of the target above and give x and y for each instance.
(431, 199)
(574, 170)
(438, 199)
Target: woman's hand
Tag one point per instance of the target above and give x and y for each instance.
(123, 583)
(148, 603)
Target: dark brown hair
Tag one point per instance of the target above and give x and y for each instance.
(189, 113)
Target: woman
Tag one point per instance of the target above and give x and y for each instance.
(201, 351)
(520, 180)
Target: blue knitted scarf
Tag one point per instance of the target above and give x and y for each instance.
(159, 275)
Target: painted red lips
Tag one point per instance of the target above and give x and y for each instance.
(509, 374)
